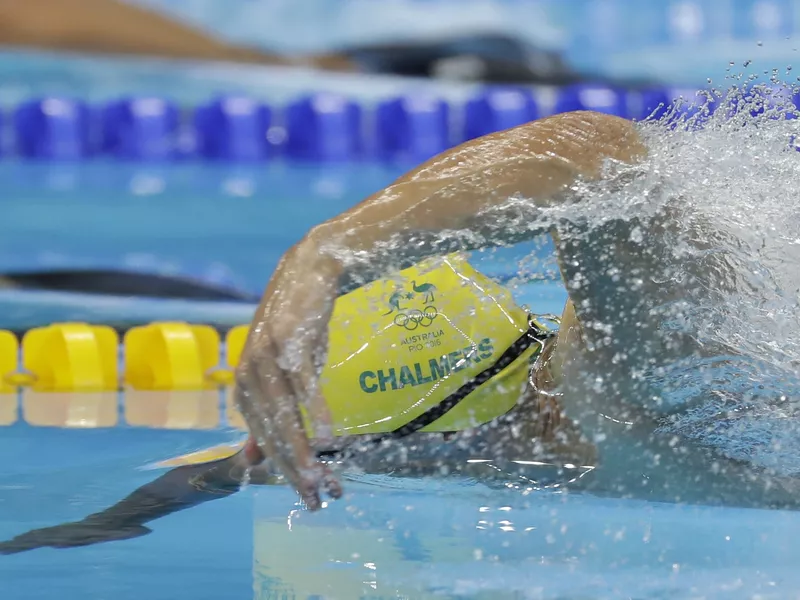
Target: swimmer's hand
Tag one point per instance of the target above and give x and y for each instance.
(279, 371)
(71, 535)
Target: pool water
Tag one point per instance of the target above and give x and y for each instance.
(387, 538)
(72, 455)
(226, 226)
(68, 456)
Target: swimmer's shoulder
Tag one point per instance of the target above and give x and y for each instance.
(574, 142)
(578, 136)
(613, 136)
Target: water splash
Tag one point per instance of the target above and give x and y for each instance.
(709, 252)
(684, 271)
(718, 185)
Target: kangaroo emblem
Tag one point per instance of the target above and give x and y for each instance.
(394, 302)
(425, 288)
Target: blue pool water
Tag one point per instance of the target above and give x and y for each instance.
(224, 225)
(389, 537)
(71, 455)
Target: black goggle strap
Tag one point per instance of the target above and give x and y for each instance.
(537, 333)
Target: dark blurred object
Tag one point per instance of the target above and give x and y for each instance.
(114, 27)
(177, 489)
(120, 283)
(123, 283)
(490, 58)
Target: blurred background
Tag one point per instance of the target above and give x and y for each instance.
(537, 41)
(157, 157)
(679, 41)
(173, 149)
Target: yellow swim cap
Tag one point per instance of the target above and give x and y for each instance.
(438, 348)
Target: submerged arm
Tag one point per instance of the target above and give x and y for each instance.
(177, 489)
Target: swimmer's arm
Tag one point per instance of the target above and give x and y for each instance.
(178, 489)
(538, 161)
(285, 350)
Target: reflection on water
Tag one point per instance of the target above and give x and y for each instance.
(9, 409)
(173, 410)
(201, 410)
(70, 410)
(467, 541)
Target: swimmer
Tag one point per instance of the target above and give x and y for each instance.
(469, 358)
(590, 395)
(623, 330)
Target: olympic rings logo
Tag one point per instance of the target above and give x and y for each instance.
(416, 318)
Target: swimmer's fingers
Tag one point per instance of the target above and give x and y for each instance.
(276, 423)
(306, 386)
(277, 435)
(247, 395)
